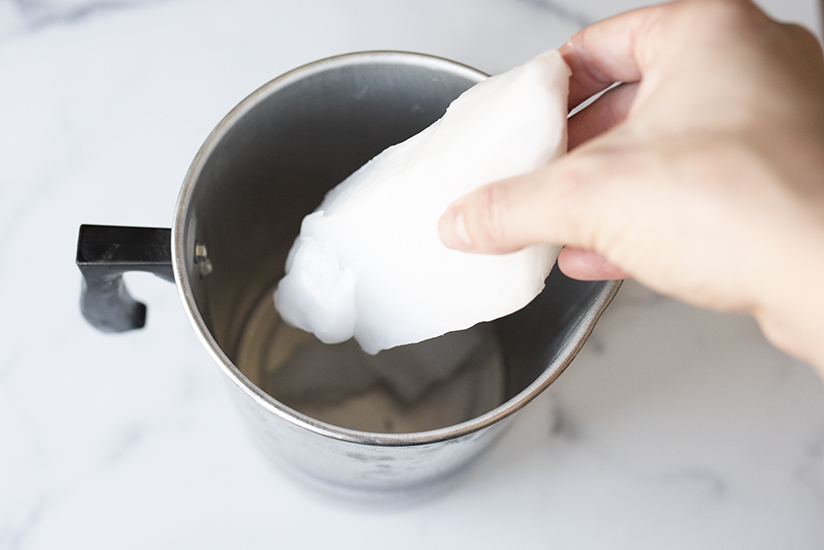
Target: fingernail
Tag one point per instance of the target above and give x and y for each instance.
(452, 229)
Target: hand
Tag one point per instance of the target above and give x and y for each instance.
(701, 175)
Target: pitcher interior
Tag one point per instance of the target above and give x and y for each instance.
(295, 140)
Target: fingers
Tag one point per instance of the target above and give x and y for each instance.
(485, 222)
(607, 111)
(613, 50)
(587, 265)
(504, 216)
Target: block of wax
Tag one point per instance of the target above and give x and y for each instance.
(369, 263)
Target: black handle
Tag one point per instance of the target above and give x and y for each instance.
(104, 253)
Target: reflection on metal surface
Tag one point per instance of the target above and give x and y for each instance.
(415, 388)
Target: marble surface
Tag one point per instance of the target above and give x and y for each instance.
(674, 428)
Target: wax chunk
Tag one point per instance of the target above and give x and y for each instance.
(369, 263)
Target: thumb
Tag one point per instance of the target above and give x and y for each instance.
(508, 215)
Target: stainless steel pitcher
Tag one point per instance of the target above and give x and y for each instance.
(397, 423)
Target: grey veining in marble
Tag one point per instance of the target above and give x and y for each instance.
(674, 428)
(34, 15)
(568, 13)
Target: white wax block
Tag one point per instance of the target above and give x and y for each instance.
(369, 263)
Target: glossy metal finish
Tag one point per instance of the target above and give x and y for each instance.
(264, 167)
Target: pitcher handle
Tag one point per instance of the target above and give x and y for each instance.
(104, 253)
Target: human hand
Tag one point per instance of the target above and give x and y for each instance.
(701, 176)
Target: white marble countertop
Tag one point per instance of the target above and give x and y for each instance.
(674, 428)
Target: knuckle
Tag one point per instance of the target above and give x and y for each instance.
(588, 193)
(728, 15)
(490, 225)
(573, 194)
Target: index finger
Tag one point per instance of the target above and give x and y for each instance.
(616, 49)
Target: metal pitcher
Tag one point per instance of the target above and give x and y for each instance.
(397, 423)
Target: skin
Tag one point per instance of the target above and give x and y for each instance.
(701, 175)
